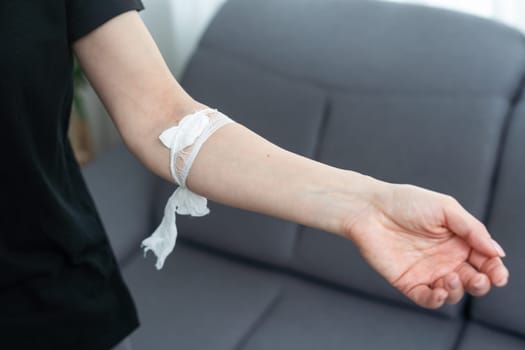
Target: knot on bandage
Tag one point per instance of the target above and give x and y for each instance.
(184, 141)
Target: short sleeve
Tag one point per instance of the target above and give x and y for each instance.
(86, 15)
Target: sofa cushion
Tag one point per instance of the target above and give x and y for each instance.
(479, 337)
(308, 316)
(204, 300)
(197, 301)
(504, 307)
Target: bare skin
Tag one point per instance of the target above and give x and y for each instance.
(423, 243)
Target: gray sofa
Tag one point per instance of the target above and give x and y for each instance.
(404, 93)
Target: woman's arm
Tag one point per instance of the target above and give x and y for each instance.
(143, 98)
(422, 242)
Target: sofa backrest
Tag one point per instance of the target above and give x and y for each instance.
(404, 93)
(504, 307)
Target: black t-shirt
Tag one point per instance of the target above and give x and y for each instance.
(60, 286)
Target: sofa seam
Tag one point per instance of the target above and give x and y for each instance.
(501, 148)
(460, 335)
(259, 320)
(500, 329)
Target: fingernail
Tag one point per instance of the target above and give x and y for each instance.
(500, 250)
(502, 282)
(479, 283)
(454, 283)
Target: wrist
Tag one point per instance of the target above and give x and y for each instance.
(343, 199)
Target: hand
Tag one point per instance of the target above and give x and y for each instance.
(427, 246)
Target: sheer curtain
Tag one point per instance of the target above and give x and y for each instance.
(511, 12)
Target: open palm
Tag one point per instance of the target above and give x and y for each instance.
(427, 246)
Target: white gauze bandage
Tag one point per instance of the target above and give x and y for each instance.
(184, 141)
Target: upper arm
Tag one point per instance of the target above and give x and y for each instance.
(126, 69)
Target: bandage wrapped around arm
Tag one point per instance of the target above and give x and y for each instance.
(184, 141)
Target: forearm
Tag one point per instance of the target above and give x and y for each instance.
(239, 168)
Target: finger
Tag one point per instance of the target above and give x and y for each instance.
(492, 267)
(426, 297)
(452, 284)
(474, 282)
(466, 226)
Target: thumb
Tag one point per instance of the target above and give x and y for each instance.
(466, 226)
